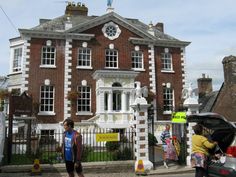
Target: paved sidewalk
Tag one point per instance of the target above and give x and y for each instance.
(98, 169)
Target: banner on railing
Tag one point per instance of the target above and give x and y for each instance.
(100, 137)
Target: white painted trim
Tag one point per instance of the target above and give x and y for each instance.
(46, 113)
(67, 80)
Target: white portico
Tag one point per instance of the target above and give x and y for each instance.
(114, 95)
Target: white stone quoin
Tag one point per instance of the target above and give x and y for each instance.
(140, 107)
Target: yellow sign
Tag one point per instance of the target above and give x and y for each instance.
(179, 117)
(100, 137)
(140, 167)
(36, 169)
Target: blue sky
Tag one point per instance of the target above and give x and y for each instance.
(210, 26)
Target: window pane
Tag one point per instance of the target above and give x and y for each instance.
(48, 55)
(84, 101)
(111, 58)
(46, 98)
(84, 57)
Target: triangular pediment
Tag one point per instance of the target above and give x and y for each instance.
(140, 30)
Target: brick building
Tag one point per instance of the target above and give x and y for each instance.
(100, 58)
(222, 101)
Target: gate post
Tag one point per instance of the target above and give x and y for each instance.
(2, 135)
(140, 107)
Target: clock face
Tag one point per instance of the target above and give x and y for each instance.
(111, 30)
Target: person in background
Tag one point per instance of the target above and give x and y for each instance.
(165, 135)
(200, 147)
(72, 149)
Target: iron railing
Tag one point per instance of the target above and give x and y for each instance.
(47, 147)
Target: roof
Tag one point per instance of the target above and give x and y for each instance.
(80, 23)
(225, 104)
(207, 101)
(3, 82)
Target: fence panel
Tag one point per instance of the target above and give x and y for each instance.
(47, 148)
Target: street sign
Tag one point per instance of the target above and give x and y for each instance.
(100, 137)
(179, 117)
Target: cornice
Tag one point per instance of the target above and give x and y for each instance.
(111, 74)
(54, 35)
(163, 43)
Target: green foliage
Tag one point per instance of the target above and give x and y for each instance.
(112, 145)
(152, 140)
(87, 150)
(125, 154)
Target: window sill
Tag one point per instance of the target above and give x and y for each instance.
(84, 67)
(46, 113)
(138, 69)
(167, 71)
(48, 66)
(111, 68)
(84, 113)
(167, 112)
(15, 73)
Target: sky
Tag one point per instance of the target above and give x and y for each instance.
(210, 26)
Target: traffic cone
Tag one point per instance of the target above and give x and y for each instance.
(36, 169)
(140, 168)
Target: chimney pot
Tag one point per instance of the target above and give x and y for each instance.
(72, 9)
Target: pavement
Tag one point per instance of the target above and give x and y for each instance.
(94, 169)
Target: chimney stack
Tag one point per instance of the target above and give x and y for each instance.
(204, 85)
(160, 27)
(229, 64)
(76, 9)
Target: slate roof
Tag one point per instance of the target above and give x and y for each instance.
(58, 24)
(207, 102)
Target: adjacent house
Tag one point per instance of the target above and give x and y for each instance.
(224, 100)
(87, 67)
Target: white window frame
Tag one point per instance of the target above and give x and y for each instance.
(17, 59)
(137, 60)
(84, 101)
(166, 62)
(84, 56)
(47, 96)
(48, 57)
(168, 100)
(111, 58)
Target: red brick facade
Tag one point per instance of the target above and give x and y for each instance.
(98, 44)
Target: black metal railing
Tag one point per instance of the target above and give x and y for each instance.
(47, 147)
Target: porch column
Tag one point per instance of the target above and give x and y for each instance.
(100, 105)
(110, 101)
(124, 101)
(110, 107)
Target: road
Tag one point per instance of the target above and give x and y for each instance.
(93, 175)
